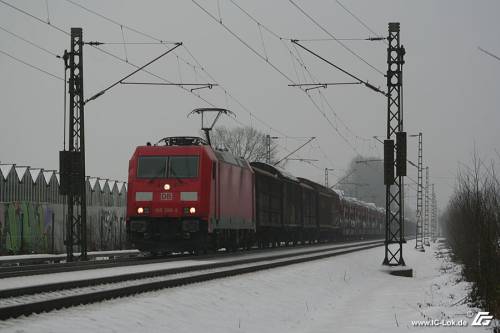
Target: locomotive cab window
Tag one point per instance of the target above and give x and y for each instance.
(152, 167)
(167, 167)
(183, 167)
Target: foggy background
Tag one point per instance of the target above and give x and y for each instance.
(450, 87)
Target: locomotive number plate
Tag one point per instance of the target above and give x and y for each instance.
(166, 196)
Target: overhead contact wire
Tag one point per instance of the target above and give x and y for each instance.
(179, 57)
(30, 65)
(331, 35)
(30, 42)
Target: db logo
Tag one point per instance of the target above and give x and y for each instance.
(482, 319)
(166, 196)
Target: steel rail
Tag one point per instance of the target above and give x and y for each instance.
(27, 270)
(38, 269)
(192, 274)
(17, 261)
(51, 287)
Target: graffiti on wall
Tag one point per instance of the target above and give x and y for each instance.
(110, 228)
(106, 228)
(25, 227)
(32, 212)
(39, 228)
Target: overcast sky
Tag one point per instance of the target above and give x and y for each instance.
(450, 87)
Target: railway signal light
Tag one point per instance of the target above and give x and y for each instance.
(389, 162)
(401, 154)
(70, 168)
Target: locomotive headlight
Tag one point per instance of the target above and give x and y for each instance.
(140, 210)
(192, 210)
(166, 187)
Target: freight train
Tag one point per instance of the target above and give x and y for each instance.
(184, 195)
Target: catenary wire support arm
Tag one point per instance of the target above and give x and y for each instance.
(368, 161)
(325, 84)
(412, 163)
(316, 87)
(203, 86)
(196, 85)
(489, 53)
(366, 83)
(373, 39)
(102, 92)
(296, 150)
(377, 138)
(320, 85)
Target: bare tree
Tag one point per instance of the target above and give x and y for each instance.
(472, 227)
(246, 142)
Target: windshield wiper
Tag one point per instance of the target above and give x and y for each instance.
(157, 177)
(175, 176)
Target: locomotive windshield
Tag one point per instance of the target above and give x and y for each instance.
(152, 167)
(183, 167)
(167, 167)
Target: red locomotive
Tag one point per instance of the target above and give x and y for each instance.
(183, 195)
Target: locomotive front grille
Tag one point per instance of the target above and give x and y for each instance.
(190, 226)
(163, 229)
(138, 226)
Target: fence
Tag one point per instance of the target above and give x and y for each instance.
(33, 213)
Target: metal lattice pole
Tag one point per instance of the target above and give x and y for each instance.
(268, 149)
(426, 208)
(419, 240)
(434, 216)
(77, 206)
(394, 233)
(327, 170)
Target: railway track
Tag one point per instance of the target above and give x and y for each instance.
(37, 259)
(51, 268)
(47, 297)
(26, 270)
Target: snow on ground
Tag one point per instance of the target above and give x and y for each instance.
(36, 280)
(348, 293)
